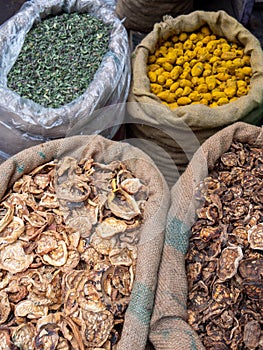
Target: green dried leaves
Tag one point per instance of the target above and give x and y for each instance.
(59, 58)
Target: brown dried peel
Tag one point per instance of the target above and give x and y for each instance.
(224, 262)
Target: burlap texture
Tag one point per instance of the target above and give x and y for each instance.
(138, 314)
(169, 328)
(141, 15)
(195, 122)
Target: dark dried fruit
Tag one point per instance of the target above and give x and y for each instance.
(224, 262)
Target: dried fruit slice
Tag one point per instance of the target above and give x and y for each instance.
(252, 333)
(123, 205)
(23, 336)
(110, 227)
(29, 309)
(12, 231)
(255, 237)
(228, 262)
(14, 259)
(131, 186)
(5, 307)
(8, 216)
(57, 256)
(96, 327)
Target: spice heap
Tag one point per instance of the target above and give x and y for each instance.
(224, 262)
(59, 58)
(199, 67)
(68, 250)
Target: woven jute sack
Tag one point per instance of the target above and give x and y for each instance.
(141, 15)
(171, 129)
(169, 328)
(138, 314)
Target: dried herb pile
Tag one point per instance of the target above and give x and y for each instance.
(225, 258)
(59, 58)
(68, 251)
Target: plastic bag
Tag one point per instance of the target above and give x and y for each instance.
(24, 123)
(110, 3)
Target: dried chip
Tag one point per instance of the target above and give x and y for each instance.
(255, 237)
(14, 259)
(228, 262)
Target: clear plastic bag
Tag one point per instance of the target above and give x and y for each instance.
(24, 123)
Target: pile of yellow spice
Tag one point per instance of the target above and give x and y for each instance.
(199, 67)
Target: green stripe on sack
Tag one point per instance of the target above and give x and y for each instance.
(141, 302)
(19, 168)
(167, 333)
(42, 155)
(177, 235)
(193, 344)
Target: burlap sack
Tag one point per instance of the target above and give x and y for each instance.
(169, 328)
(137, 317)
(172, 129)
(141, 15)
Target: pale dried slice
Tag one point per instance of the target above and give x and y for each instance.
(121, 280)
(16, 291)
(36, 219)
(103, 246)
(5, 307)
(47, 338)
(90, 297)
(8, 216)
(131, 186)
(23, 336)
(49, 200)
(116, 285)
(72, 260)
(58, 256)
(121, 257)
(44, 168)
(81, 224)
(96, 327)
(5, 277)
(42, 180)
(228, 262)
(5, 341)
(123, 205)
(110, 227)
(46, 243)
(12, 231)
(14, 259)
(255, 237)
(73, 190)
(29, 309)
(71, 332)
